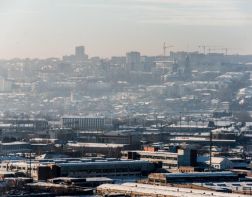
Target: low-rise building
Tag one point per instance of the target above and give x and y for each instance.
(137, 189)
(167, 159)
(79, 168)
(217, 163)
(109, 150)
(192, 177)
(15, 147)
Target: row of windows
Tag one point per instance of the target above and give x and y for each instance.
(84, 123)
(79, 174)
(169, 165)
(15, 147)
(126, 170)
(199, 179)
(16, 168)
(159, 157)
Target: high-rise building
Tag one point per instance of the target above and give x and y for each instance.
(187, 69)
(133, 60)
(80, 53)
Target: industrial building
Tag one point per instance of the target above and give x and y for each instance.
(193, 177)
(168, 160)
(136, 189)
(111, 137)
(109, 150)
(24, 124)
(79, 168)
(15, 147)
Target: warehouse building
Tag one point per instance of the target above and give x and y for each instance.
(79, 168)
(187, 157)
(137, 189)
(193, 177)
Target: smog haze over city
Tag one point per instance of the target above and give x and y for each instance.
(50, 28)
(126, 98)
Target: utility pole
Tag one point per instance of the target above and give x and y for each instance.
(30, 166)
(180, 119)
(156, 119)
(210, 151)
(1, 145)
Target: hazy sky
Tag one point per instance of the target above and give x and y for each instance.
(46, 28)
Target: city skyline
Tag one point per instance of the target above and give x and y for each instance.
(53, 28)
(126, 98)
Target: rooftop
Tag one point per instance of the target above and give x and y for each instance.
(149, 190)
(200, 174)
(98, 145)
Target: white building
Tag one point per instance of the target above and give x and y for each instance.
(218, 163)
(86, 122)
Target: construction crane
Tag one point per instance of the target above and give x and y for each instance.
(203, 47)
(226, 50)
(166, 47)
(209, 48)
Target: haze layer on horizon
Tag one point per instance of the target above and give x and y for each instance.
(52, 28)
